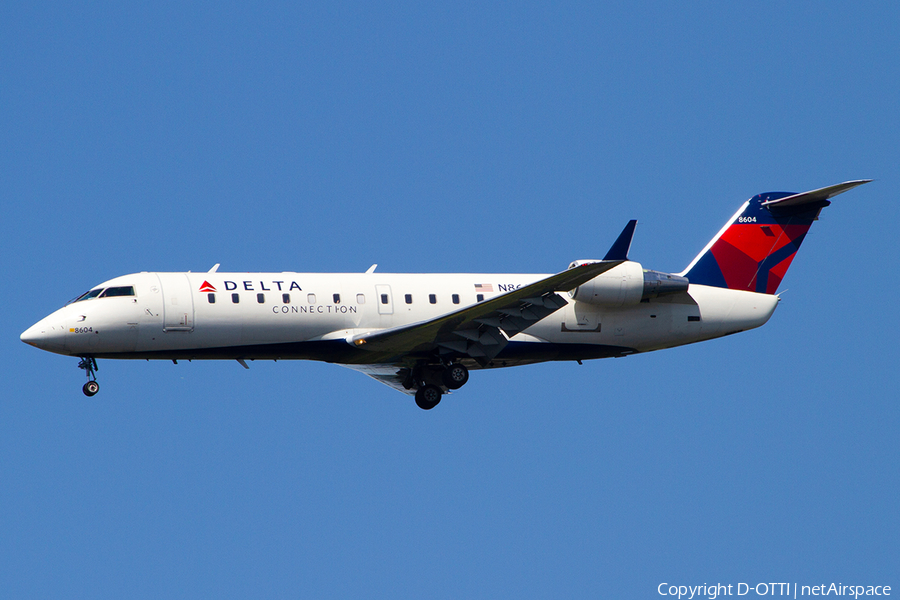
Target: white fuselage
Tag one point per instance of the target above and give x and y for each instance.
(314, 315)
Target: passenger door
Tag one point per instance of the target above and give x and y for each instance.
(178, 302)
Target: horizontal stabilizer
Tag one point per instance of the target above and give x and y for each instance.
(815, 195)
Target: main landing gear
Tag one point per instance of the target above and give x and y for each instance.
(89, 366)
(452, 376)
(455, 376)
(428, 396)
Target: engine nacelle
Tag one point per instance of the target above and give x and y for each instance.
(620, 286)
(627, 284)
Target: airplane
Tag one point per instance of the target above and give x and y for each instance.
(423, 333)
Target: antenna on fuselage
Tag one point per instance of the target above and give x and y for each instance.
(214, 269)
(371, 269)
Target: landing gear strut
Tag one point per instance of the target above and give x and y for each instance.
(89, 366)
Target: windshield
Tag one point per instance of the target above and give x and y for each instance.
(88, 295)
(110, 292)
(125, 290)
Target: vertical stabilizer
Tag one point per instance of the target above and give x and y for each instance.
(755, 248)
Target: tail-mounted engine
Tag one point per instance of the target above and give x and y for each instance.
(626, 284)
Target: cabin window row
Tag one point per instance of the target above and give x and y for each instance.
(285, 298)
(336, 298)
(432, 298)
(260, 298)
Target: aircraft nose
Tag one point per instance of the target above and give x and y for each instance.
(45, 336)
(31, 336)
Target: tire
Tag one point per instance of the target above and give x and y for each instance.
(427, 397)
(90, 388)
(455, 376)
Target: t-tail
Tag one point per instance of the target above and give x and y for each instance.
(755, 248)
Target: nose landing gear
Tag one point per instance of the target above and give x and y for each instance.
(89, 366)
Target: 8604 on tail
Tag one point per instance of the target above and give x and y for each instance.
(423, 333)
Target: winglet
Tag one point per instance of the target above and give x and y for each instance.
(620, 248)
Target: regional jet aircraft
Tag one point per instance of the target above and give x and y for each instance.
(423, 333)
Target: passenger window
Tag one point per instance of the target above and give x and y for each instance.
(260, 298)
(311, 298)
(432, 299)
(455, 298)
(480, 297)
(360, 298)
(384, 298)
(236, 298)
(286, 298)
(336, 298)
(211, 298)
(408, 298)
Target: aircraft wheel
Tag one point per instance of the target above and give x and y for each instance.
(455, 376)
(90, 388)
(427, 397)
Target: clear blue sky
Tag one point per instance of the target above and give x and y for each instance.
(511, 138)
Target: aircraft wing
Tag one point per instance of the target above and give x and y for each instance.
(482, 330)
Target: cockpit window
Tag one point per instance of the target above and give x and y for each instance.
(88, 295)
(125, 290)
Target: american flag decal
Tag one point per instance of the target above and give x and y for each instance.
(484, 287)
